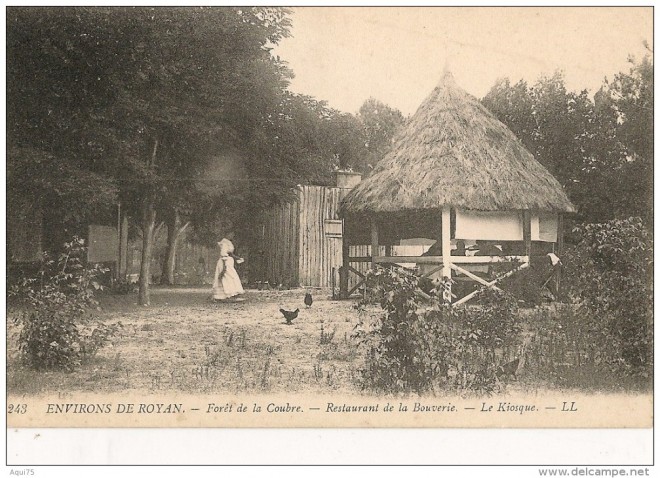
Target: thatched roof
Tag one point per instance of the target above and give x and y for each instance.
(453, 151)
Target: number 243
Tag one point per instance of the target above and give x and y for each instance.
(18, 408)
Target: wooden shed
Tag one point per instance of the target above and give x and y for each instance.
(460, 177)
(301, 240)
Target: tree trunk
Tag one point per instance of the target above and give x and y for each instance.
(174, 230)
(148, 226)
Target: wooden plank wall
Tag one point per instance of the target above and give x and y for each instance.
(280, 240)
(297, 249)
(319, 254)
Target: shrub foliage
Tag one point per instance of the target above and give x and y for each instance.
(55, 311)
(418, 344)
(422, 345)
(609, 276)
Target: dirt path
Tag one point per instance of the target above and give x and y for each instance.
(185, 342)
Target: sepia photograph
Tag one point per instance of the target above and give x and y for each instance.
(241, 217)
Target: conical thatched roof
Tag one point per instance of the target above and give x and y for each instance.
(453, 151)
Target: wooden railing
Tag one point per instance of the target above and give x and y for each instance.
(440, 260)
(453, 261)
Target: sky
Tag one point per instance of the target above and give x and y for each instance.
(397, 55)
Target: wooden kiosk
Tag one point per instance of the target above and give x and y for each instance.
(458, 176)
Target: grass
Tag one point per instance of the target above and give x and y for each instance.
(184, 342)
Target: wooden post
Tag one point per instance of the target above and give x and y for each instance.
(123, 247)
(333, 283)
(446, 250)
(374, 241)
(452, 223)
(118, 262)
(560, 250)
(343, 271)
(527, 233)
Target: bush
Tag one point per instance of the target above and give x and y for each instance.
(58, 330)
(421, 345)
(609, 276)
(495, 323)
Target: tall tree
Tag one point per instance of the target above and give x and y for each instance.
(131, 93)
(551, 121)
(59, 153)
(513, 105)
(380, 123)
(599, 150)
(630, 96)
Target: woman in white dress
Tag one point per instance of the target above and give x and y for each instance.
(226, 283)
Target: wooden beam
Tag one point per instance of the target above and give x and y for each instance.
(359, 259)
(560, 234)
(119, 251)
(374, 241)
(350, 292)
(343, 270)
(452, 222)
(491, 283)
(474, 277)
(432, 271)
(560, 251)
(438, 259)
(527, 232)
(355, 271)
(446, 250)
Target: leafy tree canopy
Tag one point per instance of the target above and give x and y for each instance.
(600, 150)
(96, 88)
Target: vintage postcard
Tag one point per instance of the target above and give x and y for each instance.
(254, 217)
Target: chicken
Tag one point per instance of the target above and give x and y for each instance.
(508, 369)
(289, 315)
(308, 299)
(513, 368)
